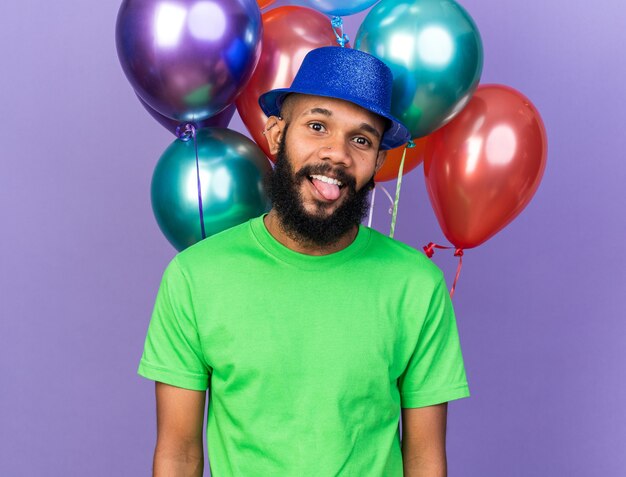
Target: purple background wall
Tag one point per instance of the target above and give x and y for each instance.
(540, 306)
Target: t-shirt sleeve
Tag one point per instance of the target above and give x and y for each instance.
(435, 372)
(172, 352)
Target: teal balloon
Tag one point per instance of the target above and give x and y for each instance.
(232, 169)
(435, 52)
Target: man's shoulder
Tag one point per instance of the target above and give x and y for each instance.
(402, 258)
(215, 247)
(394, 249)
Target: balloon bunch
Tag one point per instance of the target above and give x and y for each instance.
(191, 62)
(483, 147)
(187, 61)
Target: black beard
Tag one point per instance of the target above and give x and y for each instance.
(283, 186)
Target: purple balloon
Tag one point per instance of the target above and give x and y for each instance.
(220, 120)
(188, 59)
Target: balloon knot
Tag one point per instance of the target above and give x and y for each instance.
(186, 131)
(458, 252)
(429, 250)
(337, 24)
(336, 21)
(410, 144)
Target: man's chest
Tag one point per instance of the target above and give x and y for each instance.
(276, 336)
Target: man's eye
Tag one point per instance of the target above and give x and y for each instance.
(362, 141)
(319, 127)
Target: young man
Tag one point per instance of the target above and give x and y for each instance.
(312, 333)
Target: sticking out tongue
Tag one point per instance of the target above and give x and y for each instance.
(328, 191)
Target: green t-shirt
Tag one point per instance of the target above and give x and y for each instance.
(308, 359)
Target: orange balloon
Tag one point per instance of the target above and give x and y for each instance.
(289, 33)
(391, 166)
(265, 3)
(484, 166)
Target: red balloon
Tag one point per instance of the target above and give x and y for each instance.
(484, 166)
(289, 33)
(391, 166)
(265, 3)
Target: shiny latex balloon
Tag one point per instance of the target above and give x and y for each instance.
(232, 169)
(220, 120)
(435, 52)
(336, 7)
(391, 167)
(265, 3)
(483, 168)
(289, 33)
(188, 59)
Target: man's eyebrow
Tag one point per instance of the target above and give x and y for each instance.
(323, 111)
(371, 129)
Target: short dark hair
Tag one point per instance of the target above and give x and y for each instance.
(285, 106)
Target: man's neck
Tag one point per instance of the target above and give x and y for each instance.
(276, 230)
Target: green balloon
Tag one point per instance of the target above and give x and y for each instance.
(232, 169)
(434, 50)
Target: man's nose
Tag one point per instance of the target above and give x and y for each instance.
(337, 150)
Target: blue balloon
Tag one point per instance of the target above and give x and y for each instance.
(336, 7)
(232, 169)
(434, 50)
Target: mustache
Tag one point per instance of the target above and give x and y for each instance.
(325, 169)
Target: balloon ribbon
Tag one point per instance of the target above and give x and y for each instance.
(458, 252)
(378, 186)
(337, 24)
(185, 132)
(394, 215)
(369, 222)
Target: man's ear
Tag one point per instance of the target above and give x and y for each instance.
(273, 133)
(380, 159)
